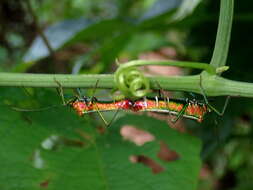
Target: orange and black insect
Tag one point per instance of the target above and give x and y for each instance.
(190, 109)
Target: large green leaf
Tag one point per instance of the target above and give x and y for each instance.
(79, 30)
(114, 35)
(56, 149)
(179, 174)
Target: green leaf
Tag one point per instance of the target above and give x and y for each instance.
(111, 48)
(56, 149)
(176, 173)
(143, 42)
(57, 35)
(72, 31)
(185, 9)
(101, 29)
(113, 36)
(167, 12)
(160, 8)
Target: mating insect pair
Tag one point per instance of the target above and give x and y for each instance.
(190, 109)
(181, 108)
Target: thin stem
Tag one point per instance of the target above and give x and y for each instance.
(223, 35)
(212, 84)
(49, 80)
(195, 65)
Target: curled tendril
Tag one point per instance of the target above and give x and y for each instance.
(131, 82)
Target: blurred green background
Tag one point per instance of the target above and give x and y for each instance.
(87, 36)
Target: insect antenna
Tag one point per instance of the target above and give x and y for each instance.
(216, 132)
(60, 92)
(27, 92)
(32, 110)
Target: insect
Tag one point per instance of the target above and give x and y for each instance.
(190, 109)
(84, 105)
(181, 108)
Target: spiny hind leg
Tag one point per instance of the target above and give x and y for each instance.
(94, 101)
(208, 104)
(180, 114)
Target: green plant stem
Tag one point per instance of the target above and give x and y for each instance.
(213, 84)
(223, 35)
(53, 80)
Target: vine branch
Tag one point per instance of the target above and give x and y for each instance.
(223, 34)
(214, 85)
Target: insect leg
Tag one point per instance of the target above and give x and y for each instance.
(180, 114)
(60, 91)
(94, 101)
(94, 90)
(167, 100)
(114, 116)
(208, 104)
